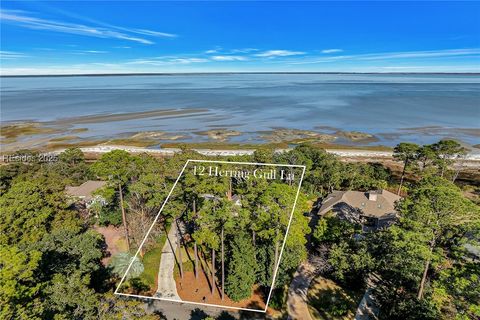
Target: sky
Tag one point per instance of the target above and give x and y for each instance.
(67, 37)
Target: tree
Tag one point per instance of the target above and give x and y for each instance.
(323, 170)
(50, 261)
(426, 156)
(362, 176)
(71, 249)
(69, 297)
(407, 153)
(320, 230)
(414, 256)
(250, 190)
(351, 262)
(72, 156)
(446, 151)
(47, 244)
(146, 195)
(207, 235)
(242, 267)
(331, 229)
(19, 287)
(116, 166)
(71, 165)
(215, 214)
(295, 242)
(224, 216)
(437, 209)
(263, 155)
(457, 291)
(274, 214)
(28, 209)
(193, 187)
(9, 171)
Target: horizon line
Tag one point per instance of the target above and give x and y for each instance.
(224, 73)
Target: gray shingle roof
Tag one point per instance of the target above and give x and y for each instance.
(85, 190)
(383, 205)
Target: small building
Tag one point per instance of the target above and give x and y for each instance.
(373, 209)
(84, 192)
(235, 199)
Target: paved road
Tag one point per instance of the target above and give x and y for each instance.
(184, 311)
(166, 282)
(297, 292)
(367, 309)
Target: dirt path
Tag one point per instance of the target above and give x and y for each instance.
(114, 240)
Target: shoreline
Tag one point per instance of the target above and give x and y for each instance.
(470, 161)
(223, 150)
(74, 132)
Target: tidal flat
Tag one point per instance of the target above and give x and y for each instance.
(352, 110)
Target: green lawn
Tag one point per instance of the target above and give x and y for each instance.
(151, 263)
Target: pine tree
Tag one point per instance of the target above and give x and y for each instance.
(242, 268)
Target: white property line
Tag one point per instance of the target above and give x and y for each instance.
(165, 202)
(285, 240)
(150, 229)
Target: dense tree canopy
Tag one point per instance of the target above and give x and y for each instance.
(50, 256)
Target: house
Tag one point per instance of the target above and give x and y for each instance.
(373, 209)
(84, 193)
(235, 198)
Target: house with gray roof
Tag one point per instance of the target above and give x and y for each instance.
(84, 193)
(372, 209)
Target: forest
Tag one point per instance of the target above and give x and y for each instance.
(246, 235)
(52, 261)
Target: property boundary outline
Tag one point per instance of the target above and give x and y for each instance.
(161, 209)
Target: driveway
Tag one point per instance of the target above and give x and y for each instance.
(367, 309)
(297, 292)
(166, 282)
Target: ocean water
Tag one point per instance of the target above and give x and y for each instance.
(418, 108)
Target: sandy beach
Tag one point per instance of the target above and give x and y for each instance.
(472, 160)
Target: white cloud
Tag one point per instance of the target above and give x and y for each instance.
(332, 50)
(216, 49)
(421, 54)
(278, 53)
(188, 60)
(220, 50)
(393, 56)
(244, 50)
(153, 33)
(228, 58)
(24, 20)
(167, 60)
(146, 61)
(7, 55)
(91, 51)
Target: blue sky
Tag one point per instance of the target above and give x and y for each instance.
(53, 37)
